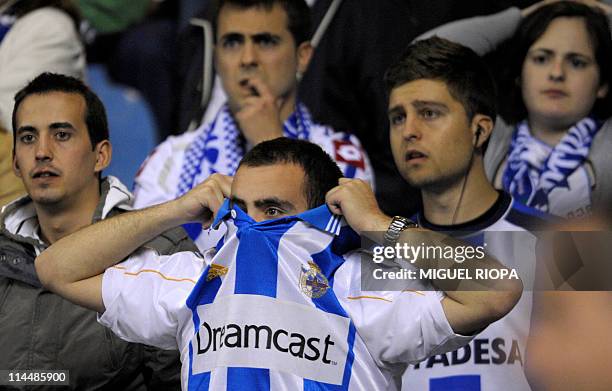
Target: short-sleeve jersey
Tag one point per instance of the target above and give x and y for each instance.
(277, 306)
(495, 359)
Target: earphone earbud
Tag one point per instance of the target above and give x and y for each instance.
(479, 131)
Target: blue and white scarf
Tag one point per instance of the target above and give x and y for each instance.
(221, 146)
(534, 169)
(6, 22)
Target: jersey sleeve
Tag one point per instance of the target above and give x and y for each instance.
(151, 184)
(398, 327)
(145, 296)
(418, 328)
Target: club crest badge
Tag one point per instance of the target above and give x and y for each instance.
(312, 281)
(215, 271)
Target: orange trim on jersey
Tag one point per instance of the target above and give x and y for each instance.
(368, 297)
(155, 272)
(417, 292)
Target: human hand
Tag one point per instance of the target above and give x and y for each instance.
(202, 202)
(355, 200)
(259, 117)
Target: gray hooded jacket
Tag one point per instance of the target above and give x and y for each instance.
(41, 330)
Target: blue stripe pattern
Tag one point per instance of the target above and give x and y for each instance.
(329, 262)
(534, 169)
(455, 383)
(256, 273)
(203, 293)
(221, 146)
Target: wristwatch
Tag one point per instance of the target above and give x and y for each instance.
(398, 224)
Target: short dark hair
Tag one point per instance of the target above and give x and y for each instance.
(95, 114)
(465, 74)
(531, 29)
(298, 14)
(321, 172)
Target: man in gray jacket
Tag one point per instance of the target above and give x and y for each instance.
(60, 148)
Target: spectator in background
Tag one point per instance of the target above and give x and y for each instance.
(113, 16)
(344, 87)
(39, 36)
(136, 40)
(441, 112)
(551, 150)
(35, 36)
(261, 46)
(61, 148)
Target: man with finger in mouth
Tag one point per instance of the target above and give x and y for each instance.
(261, 48)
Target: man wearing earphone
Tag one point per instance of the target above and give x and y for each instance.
(441, 114)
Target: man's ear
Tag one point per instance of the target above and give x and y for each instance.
(16, 169)
(602, 91)
(304, 54)
(482, 126)
(104, 152)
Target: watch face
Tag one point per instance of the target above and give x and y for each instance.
(403, 223)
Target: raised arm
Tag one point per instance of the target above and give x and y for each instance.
(73, 266)
(470, 305)
(483, 34)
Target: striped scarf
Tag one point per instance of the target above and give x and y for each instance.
(221, 146)
(6, 22)
(534, 169)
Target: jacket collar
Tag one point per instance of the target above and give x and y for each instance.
(19, 222)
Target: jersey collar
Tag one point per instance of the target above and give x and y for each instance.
(321, 218)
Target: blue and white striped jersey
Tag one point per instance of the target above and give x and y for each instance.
(278, 306)
(495, 359)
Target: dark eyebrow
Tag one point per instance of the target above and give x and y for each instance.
(570, 54)
(397, 109)
(274, 201)
(547, 51)
(61, 125)
(584, 56)
(237, 201)
(419, 104)
(265, 35)
(232, 37)
(25, 128)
